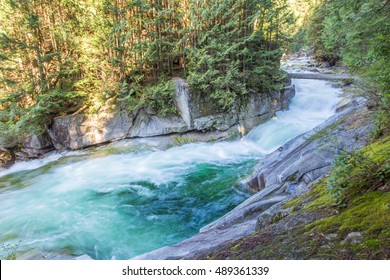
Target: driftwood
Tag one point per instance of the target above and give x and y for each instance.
(317, 76)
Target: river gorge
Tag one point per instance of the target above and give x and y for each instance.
(131, 197)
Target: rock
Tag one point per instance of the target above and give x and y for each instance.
(280, 176)
(81, 131)
(148, 126)
(150, 111)
(257, 109)
(256, 183)
(197, 112)
(331, 236)
(353, 238)
(302, 53)
(384, 188)
(37, 254)
(220, 122)
(182, 101)
(270, 216)
(35, 147)
(282, 99)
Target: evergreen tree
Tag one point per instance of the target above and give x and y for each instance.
(61, 57)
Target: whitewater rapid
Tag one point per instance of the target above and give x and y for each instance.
(123, 200)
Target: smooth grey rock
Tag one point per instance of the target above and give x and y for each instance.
(197, 112)
(182, 101)
(353, 238)
(81, 131)
(287, 172)
(148, 126)
(220, 122)
(270, 215)
(201, 242)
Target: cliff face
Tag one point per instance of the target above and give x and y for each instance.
(197, 113)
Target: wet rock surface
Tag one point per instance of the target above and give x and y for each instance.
(288, 172)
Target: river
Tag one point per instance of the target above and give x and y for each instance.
(122, 200)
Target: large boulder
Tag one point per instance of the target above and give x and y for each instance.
(81, 131)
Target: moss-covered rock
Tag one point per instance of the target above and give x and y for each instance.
(317, 228)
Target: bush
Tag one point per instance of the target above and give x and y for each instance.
(160, 97)
(354, 173)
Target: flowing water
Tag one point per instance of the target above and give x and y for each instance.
(123, 200)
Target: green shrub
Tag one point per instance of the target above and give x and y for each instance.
(354, 173)
(160, 97)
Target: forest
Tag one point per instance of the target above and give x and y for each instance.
(70, 56)
(354, 34)
(62, 57)
(320, 170)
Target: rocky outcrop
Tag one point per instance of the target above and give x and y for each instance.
(81, 131)
(34, 147)
(197, 113)
(200, 113)
(285, 173)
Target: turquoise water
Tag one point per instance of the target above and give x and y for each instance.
(119, 203)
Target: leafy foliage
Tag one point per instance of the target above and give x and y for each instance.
(357, 172)
(60, 57)
(357, 33)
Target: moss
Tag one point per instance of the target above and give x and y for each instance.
(234, 135)
(372, 243)
(357, 172)
(279, 216)
(305, 233)
(320, 195)
(211, 139)
(235, 247)
(293, 203)
(379, 151)
(180, 140)
(369, 213)
(317, 197)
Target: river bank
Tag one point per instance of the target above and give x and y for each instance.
(139, 192)
(293, 214)
(198, 120)
(288, 172)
